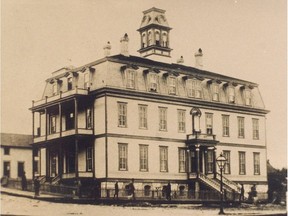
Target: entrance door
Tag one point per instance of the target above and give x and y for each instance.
(20, 169)
(6, 169)
(54, 164)
(70, 162)
(193, 162)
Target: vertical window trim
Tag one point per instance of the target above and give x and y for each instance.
(248, 97)
(255, 129)
(52, 116)
(241, 127)
(69, 83)
(225, 128)
(228, 162)
(166, 154)
(130, 78)
(181, 120)
(215, 92)
(89, 123)
(243, 162)
(163, 122)
(231, 94)
(206, 122)
(125, 145)
(182, 151)
(256, 163)
(146, 149)
(124, 114)
(88, 159)
(210, 164)
(172, 82)
(143, 116)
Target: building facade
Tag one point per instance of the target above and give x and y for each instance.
(16, 155)
(126, 117)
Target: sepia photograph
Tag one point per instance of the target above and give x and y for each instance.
(132, 107)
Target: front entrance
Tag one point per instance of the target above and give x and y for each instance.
(6, 169)
(54, 164)
(20, 169)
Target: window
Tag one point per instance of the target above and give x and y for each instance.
(149, 38)
(256, 158)
(225, 124)
(164, 39)
(123, 156)
(248, 97)
(240, 127)
(142, 116)
(130, 77)
(209, 123)
(89, 159)
(162, 118)
(157, 38)
(52, 124)
(153, 82)
(88, 118)
(172, 85)
(6, 168)
(143, 157)
(182, 160)
(147, 189)
(194, 88)
(54, 89)
(227, 169)
(255, 125)
(242, 163)
(144, 43)
(182, 190)
(181, 120)
(215, 91)
(69, 83)
(231, 94)
(6, 150)
(70, 121)
(163, 159)
(122, 114)
(86, 80)
(210, 161)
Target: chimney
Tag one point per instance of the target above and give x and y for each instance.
(180, 60)
(199, 59)
(107, 49)
(124, 45)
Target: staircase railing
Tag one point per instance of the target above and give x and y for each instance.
(42, 179)
(229, 183)
(55, 180)
(212, 183)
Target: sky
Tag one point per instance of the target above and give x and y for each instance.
(245, 39)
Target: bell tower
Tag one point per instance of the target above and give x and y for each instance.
(154, 34)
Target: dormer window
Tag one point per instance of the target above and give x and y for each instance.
(157, 38)
(130, 78)
(86, 80)
(194, 88)
(231, 94)
(153, 82)
(144, 42)
(69, 83)
(215, 92)
(54, 89)
(172, 85)
(248, 100)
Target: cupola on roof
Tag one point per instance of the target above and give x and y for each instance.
(154, 16)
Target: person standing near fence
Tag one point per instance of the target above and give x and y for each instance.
(116, 190)
(242, 193)
(24, 181)
(168, 191)
(36, 186)
(132, 189)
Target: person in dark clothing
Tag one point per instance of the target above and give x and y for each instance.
(241, 198)
(132, 189)
(116, 190)
(24, 181)
(168, 191)
(36, 186)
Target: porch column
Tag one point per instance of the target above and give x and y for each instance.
(76, 158)
(188, 162)
(46, 124)
(76, 115)
(60, 119)
(60, 160)
(93, 156)
(47, 162)
(198, 159)
(214, 163)
(33, 163)
(33, 123)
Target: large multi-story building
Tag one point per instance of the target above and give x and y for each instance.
(126, 117)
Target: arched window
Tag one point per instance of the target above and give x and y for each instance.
(164, 40)
(149, 38)
(157, 38)
(147, 189)
(144, 40)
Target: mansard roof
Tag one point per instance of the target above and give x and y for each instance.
(154, 16)
(16, 140)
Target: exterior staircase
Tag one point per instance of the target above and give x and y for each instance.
(55, 180)
(232, 189)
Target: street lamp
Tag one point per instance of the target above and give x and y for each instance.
(221, 160)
